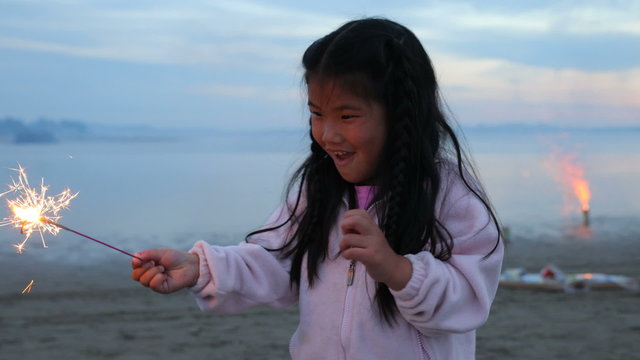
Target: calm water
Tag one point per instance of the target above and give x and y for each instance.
(147, 194)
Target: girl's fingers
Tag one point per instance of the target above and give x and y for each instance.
(352, 240)
(147, 256)
(151, 254)
(147, 276)
(158, 283)
(135, 262)
(355, 253)
(138, 271)
(357, 221)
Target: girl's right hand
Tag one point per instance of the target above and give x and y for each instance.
(165, 270)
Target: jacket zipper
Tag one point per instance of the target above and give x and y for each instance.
(423, 351)
(351, 272)
(345, 327)
(346, 313)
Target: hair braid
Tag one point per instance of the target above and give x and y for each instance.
(402, 133)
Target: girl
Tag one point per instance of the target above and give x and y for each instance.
(386, 242)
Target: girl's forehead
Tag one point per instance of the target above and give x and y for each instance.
(331, 92)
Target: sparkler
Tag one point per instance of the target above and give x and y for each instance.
(33, 211)
(28, 288)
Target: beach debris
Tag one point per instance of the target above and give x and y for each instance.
(28, 288)
(551, 277)
(33, 211)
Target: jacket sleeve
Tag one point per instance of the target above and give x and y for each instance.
(235, 278)
(455, 295)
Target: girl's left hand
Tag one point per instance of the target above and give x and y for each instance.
(363, 241)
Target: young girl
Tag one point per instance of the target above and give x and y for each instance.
(386, 242)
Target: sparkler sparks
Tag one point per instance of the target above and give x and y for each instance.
(28, 288)
(32, 206)
(33, 211)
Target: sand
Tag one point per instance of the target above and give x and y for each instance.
(529, 324)
(96, 312)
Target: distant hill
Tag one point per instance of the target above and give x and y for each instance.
(40, 131)
(46, 131)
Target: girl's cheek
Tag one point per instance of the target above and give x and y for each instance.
(316, 132)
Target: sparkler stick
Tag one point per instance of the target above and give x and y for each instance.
(88, 237)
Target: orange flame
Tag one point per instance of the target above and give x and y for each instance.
(571, 175)
(581, 188)
(575, 177)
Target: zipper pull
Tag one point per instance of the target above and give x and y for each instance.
(351, 272)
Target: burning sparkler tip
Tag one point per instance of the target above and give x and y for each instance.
(32, 206)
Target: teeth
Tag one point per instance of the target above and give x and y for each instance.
(340, 153)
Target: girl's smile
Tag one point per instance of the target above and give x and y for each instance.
(350, 129)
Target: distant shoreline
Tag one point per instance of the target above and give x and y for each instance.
(47, 131)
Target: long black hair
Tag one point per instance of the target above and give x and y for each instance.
(383, 61)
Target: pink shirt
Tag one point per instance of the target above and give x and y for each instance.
(364, 195)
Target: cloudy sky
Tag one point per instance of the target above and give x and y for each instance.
(234, 64)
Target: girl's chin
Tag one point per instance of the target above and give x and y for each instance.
(356, 179)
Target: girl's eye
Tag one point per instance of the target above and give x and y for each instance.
(348, 117)
(315, 113)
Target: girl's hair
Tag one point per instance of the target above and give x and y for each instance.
(383, 61)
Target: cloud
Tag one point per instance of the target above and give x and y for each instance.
(577, 17)
(501, 80)
(235, 33)
(106, 52)
(498, 91)
(264, 36)
(259, 45)
(261, 93)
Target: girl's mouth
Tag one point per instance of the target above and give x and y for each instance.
(342, 157)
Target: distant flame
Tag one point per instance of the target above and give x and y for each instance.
(572, 175)
(579, 184)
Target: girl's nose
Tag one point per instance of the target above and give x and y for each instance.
(331, 133)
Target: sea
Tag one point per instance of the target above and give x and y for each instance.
(171, 191)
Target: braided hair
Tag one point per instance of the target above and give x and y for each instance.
(383, 61)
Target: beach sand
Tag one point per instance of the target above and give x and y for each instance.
(96, 312)
(531, 324)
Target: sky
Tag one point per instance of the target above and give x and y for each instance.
(235, 64)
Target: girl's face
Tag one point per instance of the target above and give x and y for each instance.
(350, 129)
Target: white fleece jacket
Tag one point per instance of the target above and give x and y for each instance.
(440, 308)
